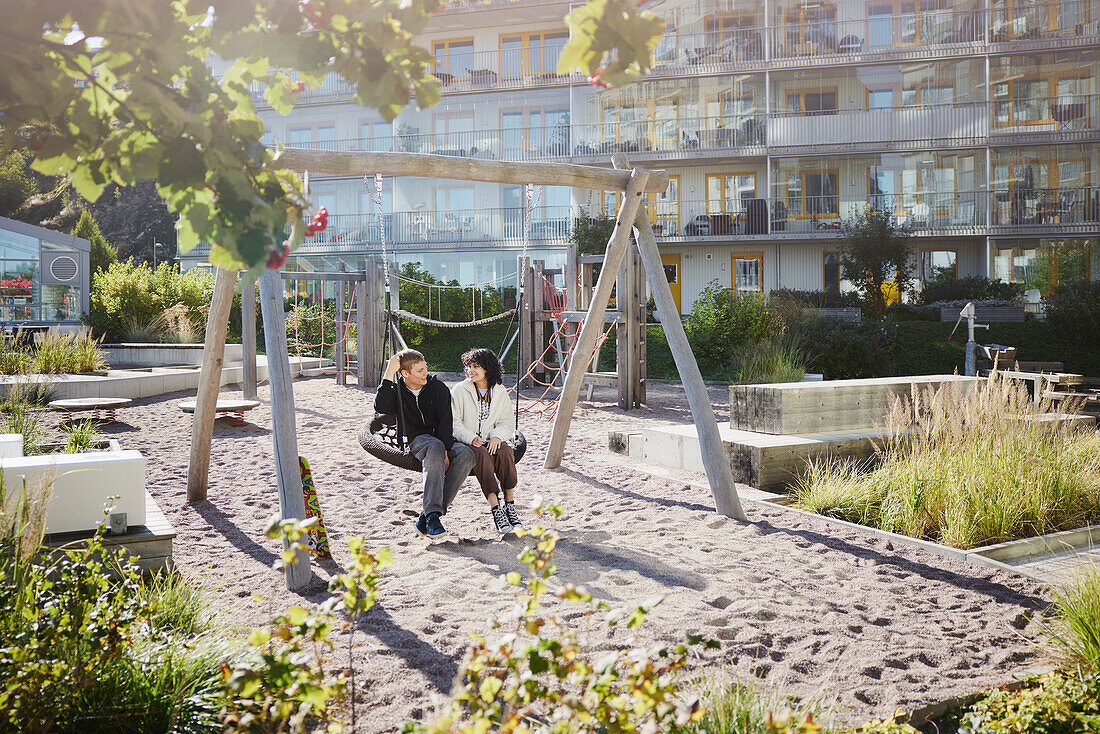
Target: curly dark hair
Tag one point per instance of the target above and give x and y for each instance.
(486, 360)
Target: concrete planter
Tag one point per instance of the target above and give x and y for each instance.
(163, 355)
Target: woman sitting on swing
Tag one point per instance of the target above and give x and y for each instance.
(482, 412)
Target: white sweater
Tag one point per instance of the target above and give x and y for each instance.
(500, 423)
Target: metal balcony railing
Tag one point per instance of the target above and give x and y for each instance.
(1066, 116)
(1065, 209)
(1019, 20)
(490, 227)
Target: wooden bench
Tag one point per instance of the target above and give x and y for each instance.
(108, 406)
(227, 407)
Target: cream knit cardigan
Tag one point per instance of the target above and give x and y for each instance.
(500, 423)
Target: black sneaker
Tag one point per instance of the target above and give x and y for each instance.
(434, 526)
(422, 524)
(503, 527)
(512, 515)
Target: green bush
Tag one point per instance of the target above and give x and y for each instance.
(721, 321)
(126, 294)
(815, 299)
(843, 350)
(1061, 702)
(971, 288)
(1073, 313)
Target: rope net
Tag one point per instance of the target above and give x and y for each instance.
(554, 360)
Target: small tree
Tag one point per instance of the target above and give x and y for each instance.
(103, 253)
(876, 252)
(16, 185)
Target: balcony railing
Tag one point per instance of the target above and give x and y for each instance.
(1018, 20)
(1065, 210)
(1055, 119)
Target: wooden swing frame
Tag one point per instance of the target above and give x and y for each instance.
(634, 182)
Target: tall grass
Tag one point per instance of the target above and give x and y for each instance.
(966, 468)
(1074, 629)
(15, 358)
(79, 436)
(778, 359)
(57, 353)
(19, 415)
(735, 707)
(173, 325)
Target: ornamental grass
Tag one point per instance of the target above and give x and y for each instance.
(967, 468)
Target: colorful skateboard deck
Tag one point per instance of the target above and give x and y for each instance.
(318, 535)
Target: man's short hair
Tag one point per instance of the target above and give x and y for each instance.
(408, 357)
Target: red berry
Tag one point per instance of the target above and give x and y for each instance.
(300, 87)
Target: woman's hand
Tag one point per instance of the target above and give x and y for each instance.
(478, 441)
(494, 444)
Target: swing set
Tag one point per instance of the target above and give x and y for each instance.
(632, 217)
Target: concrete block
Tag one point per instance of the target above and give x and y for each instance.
(11, 445)
(81, 485)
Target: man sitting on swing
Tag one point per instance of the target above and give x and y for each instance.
(428, 427)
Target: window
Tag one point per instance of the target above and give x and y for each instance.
(326, 137)
(1037, 18)
(1040, 191)
(322, 137)
(299, 137)
(812, 101)
(453, 133)
(927, 93)
(813, 194)
(537, 132)
(729, 193)
(939, 266)
(550, 216)
(830, 272)
(643, 124)
(453, 59)
(664, 209)
(748, 272)
(1057, 99)
(1043, 267)
(810, 27)
(667, 51)
(882, 189)
(909, 22)
(880, 100)
(533, 55)
(376, 136)
(268, 139)
(736, 35)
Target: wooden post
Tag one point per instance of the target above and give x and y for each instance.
(365, 334)
(523, 305)
(569, 275)
(640, 322)
(291, 500)
(248, 339)
(617, 247)
(623, 348)
(341, 326)
(213, 355)
(715, 461)
(538, 309)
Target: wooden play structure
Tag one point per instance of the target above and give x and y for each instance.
(632, 217)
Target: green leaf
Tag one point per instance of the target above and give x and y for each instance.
(513, 578)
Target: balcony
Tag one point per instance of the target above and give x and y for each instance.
(1064, 210)
(1066, 118)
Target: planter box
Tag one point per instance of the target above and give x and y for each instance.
(11, 445)
(985, 314)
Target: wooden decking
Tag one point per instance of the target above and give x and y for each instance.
(149, 545)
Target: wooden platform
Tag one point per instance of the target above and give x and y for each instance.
(149, 545)
(797, 408)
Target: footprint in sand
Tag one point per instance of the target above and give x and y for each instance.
(872, 672)
(721, 602)
(719, 622)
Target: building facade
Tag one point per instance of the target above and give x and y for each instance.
(44, 276)
(975, 122)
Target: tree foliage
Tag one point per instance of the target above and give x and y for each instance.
(875, 253)
(120, 91)
(103, 253)
(15, 185)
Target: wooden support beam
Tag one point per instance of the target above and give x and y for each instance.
(248, 339)
(623, 347)
(570, 277)
(617, 247)
(715, 461)
(366, 337)
(364, 163)
(292, 504)
(525, 318)
(538, 307)
(341, 326)
(213, 355)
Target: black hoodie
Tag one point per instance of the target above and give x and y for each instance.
(429, 412)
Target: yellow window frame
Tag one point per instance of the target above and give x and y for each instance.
(927, 250)
(446, 45)
(528, 65)
(802, 111)
(723, 177)
(803, 214)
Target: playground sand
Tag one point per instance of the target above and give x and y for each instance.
(833, 614)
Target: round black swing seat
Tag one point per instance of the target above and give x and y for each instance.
(379, 439)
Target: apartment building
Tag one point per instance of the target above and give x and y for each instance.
(975, 122)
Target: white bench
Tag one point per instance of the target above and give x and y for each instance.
(82, 484)
(11, 445)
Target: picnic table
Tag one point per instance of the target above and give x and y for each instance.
(227, 407)
(108, 406)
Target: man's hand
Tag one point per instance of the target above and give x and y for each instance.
(446, 463)
(392, 367)
(494, 444)
(478, 441)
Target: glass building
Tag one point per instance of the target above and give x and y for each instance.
(44, 276)
(974, 122)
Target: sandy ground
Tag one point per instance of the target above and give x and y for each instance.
(832, 614)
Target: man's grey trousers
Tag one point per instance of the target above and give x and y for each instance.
(441, 487)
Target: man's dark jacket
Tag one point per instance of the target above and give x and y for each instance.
(429, 412)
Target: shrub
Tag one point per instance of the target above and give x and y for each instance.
(966, 469)
(1061, 702)
(842, 350)
(721, 321)
(1073, 313)
(779, 359)
(971, 288)
(815, 299)
(126, 294)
